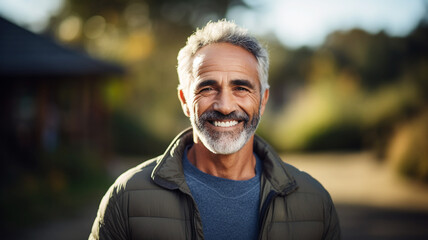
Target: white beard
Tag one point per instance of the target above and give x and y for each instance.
(224, 142)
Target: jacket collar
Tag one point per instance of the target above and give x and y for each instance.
(168, 172)
(273, 168)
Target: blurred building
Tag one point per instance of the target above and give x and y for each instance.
(50, 96)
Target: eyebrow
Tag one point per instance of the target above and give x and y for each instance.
(242, 82)
(206, 83)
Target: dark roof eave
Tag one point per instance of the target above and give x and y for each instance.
(23, 53)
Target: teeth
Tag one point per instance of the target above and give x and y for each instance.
(225, 124)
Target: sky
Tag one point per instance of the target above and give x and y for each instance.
(33, 14)
(295, 23)
(308, 22)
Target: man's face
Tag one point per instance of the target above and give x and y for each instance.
(224, 101)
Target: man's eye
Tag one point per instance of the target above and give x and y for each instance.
(241, 89)
(207, 89)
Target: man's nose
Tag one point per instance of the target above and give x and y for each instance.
(225, 103)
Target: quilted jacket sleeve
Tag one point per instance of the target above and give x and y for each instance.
(331, 222)
(110, 222)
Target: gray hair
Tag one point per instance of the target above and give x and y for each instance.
(218, 32)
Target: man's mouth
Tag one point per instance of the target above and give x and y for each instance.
(219, 120)
(225, 123)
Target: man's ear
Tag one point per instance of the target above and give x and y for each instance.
(183, 102)
(264, 101)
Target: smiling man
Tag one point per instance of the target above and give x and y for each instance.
(218, 180)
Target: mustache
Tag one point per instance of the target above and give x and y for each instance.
(215, 115)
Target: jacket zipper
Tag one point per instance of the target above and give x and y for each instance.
(263, 213)
(265, 208)
(192, 217)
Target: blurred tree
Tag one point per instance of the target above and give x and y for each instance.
(407, 151)
(350, 92)
(185, 12)
(376, 58)
(415, 62)
(288, 72)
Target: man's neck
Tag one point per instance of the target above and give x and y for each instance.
(236, 166)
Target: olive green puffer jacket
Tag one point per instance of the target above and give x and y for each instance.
(153, 201)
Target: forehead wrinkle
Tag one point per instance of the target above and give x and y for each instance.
(205, 57)
(203, 67)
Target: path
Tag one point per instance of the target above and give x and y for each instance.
(358, 178)
(372, 202)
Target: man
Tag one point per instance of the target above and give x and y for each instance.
(218, 180)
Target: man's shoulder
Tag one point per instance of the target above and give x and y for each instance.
(137, 178)
(305, 182)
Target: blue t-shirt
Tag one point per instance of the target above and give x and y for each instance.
(229, 209)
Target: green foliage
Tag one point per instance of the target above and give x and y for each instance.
(408, 152)
(182, 12)
(354, 90)
(319, 119)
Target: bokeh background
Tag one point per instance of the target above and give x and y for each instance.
(89, 90)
